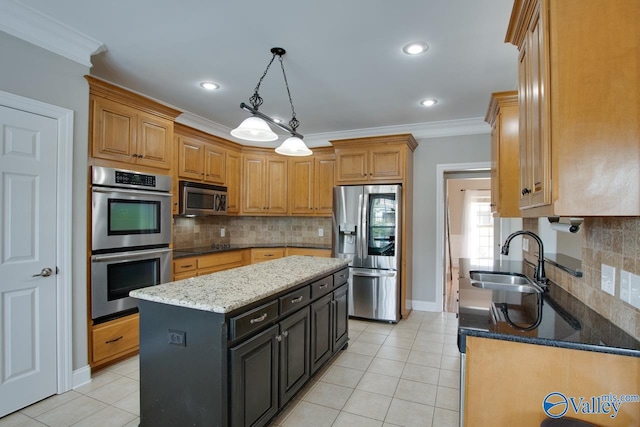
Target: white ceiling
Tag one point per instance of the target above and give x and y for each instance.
(344, 61)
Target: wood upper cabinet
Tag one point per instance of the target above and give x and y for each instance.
(373, 160)
(233, 181)
(311, 184)
(128, 128)
(503, 117)
(264, 184)
(579, 112)
(200, 158)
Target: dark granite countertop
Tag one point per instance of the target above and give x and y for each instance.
(565, 321)
(216, 247)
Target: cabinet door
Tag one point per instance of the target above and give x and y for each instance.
(294, 354)
(253, 184)
(214, 165)
(190, 155)
(254, 379)
(495, 171)
(301, 177)
(154, 142)
(340, 317)
(233, 169)
(321, 332)
(324, 182)
(276, 201)
(351, 166)
(386, 164)
(114, 131)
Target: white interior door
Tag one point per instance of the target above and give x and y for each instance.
(28, 152)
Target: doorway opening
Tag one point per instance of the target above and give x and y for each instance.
(469, 226)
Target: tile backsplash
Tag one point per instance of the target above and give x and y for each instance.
(614, 241)
(286, 231)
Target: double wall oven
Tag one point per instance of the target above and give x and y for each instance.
(131, 233)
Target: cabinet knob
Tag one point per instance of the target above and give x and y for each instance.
(525, 191)
(134, 155)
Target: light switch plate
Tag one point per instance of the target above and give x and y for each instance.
(222, 232)
(608, 279)
(634, 291)
(320, 232)
(525, 244)
(625, 286)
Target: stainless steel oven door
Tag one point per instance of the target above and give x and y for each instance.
(114, 275)
(125, 218)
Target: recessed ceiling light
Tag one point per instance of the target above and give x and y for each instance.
(209, 85)
(415, 48)
(429, 102)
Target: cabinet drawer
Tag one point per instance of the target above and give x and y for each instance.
(115, 337)
(321, 287)
(266, 254)
(295, 300)
(253, 320)
(220, 261)
(340, 277)
(184, 265)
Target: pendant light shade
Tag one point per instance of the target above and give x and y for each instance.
(293, 146)
(254, 129)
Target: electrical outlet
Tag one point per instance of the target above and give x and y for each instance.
(525, 244)
(178, 338)
(608, 279)
(634, 291)
(625, 286)
(320, 232)
(222, 232)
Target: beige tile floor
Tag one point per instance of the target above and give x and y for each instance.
(406, 374)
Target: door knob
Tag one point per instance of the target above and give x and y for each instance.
(46, 272)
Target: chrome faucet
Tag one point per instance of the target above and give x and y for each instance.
(539, 274)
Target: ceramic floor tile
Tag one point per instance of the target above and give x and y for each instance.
(307, 414)
(393, 353)
(378, 383)
(449, 379)
(130, 403)
(451, 363)
(448, 398)
(409, 414)
(45, 405)
(346, 419)
(18, 419)
(436, 328)
(357, 325)
(329, 395)
(107, 417)
(379, 328)
(424, 374)
(392, 368)
(404, 332)
(450, 350)
(346, 377)
(368, 405)
(430, 336)
(364, 348)
(372, 338)
(71, 412)
(116, 390)
(399, 342)
(353, 360)
(98, 380)
(428, 346)
(417, 392)
(126, 366)
(134, 375)
(445, 418)
(425, 359)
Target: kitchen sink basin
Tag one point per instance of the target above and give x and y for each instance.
(504, 282)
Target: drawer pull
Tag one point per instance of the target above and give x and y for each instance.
(268, 255)
(186, 266)
(114, 340)
(297, 299)
(323, 286)
(259, 319)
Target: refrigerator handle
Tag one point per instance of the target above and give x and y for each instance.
(364, 206)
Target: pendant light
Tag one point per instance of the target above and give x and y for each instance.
(256, 127)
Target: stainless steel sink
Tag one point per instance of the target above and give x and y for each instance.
(504, 282)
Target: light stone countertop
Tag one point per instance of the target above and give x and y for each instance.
(229, 290)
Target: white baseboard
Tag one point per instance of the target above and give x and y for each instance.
(81, 376)
(425, 306)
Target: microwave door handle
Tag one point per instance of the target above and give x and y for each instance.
(128, 255)
(128, 191)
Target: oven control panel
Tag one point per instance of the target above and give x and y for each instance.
(130, 178)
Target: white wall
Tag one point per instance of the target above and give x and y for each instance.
(35, 73)
(430, 153)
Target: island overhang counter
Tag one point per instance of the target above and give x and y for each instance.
(232, 348)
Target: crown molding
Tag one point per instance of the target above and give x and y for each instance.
(419, 130)
(35, 27)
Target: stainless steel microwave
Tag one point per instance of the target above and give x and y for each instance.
(198, 199)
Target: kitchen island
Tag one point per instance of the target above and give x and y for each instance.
(527, 357)
(232, 348)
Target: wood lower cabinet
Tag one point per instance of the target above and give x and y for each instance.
(266, 254)
(326, 253)
(114, 340)
(183, 268)
(329, 326)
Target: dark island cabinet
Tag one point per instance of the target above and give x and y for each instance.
(238, 369)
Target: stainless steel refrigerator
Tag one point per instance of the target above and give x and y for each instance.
(366, 231)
